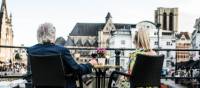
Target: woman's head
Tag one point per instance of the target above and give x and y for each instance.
(142, 40)
(46, 33)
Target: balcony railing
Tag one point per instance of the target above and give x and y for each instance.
(176, 72)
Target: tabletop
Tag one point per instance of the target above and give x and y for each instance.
(107, 66)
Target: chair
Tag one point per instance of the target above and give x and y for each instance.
(146, 72)
(48, 71)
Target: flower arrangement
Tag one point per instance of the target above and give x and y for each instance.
(101, 52)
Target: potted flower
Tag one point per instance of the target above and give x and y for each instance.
(101, 53)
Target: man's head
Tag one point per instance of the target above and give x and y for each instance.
(46, 33)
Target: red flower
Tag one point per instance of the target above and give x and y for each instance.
(101, 52)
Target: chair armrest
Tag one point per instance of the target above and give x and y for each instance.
(113, 74)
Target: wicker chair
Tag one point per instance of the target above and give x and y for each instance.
(146, 72)
(48, 71)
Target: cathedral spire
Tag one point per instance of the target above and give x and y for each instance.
(108, 16)
(3, 5)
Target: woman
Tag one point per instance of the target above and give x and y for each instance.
(142, 43)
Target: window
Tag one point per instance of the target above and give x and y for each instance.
(168, 63)
(171, 21)
(164, 21)
(123, 42)
(155, 33)
(167, 53)
(182, 38)
(105, 33)
(155, 43)
(23, 51)
(122, 53)
(168, 43)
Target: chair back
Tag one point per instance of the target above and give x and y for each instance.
(47, 70)
(147, 71)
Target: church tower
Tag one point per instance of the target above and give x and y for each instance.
(168, 18)
(105, 33)
(6, 33)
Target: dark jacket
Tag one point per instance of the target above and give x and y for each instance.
(69, 62)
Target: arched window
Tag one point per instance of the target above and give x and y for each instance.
(171, 22)
(164, 21)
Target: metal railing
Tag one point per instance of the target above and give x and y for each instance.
(117, 58)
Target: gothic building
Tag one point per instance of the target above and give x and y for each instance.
(93, 35)
(168, 18)
(6, 33)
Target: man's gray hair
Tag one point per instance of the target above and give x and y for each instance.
(46, 33)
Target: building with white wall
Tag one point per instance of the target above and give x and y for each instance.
(195, 40)
(122, 38)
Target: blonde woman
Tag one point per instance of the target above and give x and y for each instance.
(142, 43)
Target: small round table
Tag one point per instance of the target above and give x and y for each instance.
(101, 71)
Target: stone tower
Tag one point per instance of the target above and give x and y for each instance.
(168, 18)
(6, 33)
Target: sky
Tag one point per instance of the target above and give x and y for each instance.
(27, 15)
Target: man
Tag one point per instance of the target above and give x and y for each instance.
(46, 46)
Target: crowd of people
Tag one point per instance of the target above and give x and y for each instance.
(12, 68)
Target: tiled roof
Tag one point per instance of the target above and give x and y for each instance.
(183, 33)
(86, 29)
(124, 26)
(70, 42)
(91, 29)
(79, 43)
(87, 43)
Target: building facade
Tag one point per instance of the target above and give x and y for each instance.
(195, 40)
(104, 35)
(168, 20)
(122, 38)
(6, 33)
(183, 42)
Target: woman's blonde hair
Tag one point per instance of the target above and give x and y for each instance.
(46, 33)
(142, 40)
